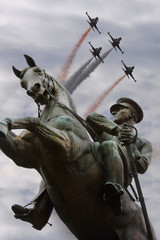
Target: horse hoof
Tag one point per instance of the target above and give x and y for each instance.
(3, 129)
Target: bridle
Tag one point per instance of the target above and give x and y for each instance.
(49, 86)
(51, 90)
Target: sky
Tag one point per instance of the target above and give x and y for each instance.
(48, 31)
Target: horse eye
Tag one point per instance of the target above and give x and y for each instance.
(38, 70)
(114, 113)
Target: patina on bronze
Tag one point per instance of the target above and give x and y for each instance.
(73, 167)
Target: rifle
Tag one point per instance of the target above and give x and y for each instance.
(136, 179)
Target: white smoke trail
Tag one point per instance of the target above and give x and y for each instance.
(71, 83)
(65, 69)
(84, 74)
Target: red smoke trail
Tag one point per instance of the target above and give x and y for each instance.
(64, 71)
(94, 106)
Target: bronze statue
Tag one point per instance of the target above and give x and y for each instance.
(57, 145)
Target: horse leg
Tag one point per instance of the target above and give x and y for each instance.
(49, 135)
(15, 147)
(20, 152)
(134, 232)
(138, 227)
(131, 224)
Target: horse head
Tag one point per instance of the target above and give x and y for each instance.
(41, 86)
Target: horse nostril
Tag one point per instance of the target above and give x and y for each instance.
(37, 86)
(45, 92)
(29, 92)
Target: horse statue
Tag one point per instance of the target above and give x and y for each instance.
(59, 147)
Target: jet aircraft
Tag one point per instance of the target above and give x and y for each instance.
(128, 71)
(115, 42)
(93, 22)
(96, 52)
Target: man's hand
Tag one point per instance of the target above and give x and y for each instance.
(126, 134)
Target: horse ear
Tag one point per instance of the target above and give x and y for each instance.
(16, 71)
(30, 61)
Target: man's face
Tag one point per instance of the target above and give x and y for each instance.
(121, 114)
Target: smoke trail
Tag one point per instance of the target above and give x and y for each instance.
(94, 106)
(71, 83)
(64, 71)
(89, 70)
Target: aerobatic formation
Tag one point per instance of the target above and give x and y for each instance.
(87, 68)
(115, 42)
(72, 154)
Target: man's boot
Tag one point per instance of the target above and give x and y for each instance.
(112, 196)
(39, 215)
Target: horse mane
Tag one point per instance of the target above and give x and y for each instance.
(63, 96)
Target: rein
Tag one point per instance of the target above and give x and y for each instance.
(90, 130)
(136, 179)
(48, 88)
